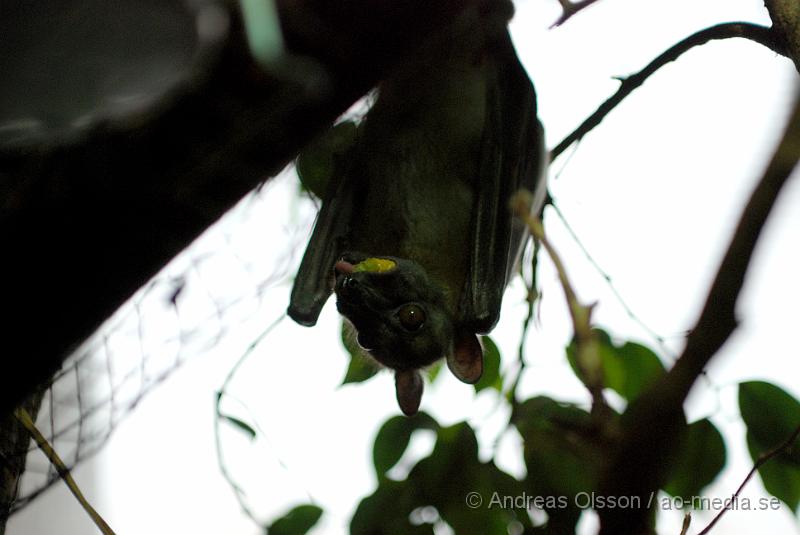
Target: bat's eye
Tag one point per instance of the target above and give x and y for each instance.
(411, 317)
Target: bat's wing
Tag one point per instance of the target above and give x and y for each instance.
(512, 157)
(314, 282)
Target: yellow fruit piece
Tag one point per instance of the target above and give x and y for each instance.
(375, 265)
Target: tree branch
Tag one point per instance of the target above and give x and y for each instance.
(746, 30)
(786, 23)
(87, 217)
(651, 425)
(569, 9)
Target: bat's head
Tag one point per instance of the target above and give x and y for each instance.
(403, 321)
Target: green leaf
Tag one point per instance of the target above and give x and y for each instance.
(387, 510)
(239, 424)
(453, 457)
(360, 367)
(453, 474)
(316, 163)
(433, 371)
(641, 368)
(491, 367)
(603, 342)
(780, 478)
(359, 370)
(443, 481)
(628, 369)
(393, 437)
(298, 521)
(561, 453)
(700, 458)
(772, 416)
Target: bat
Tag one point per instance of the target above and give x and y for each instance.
(414, 235)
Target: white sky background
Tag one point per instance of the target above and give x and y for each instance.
(653, 192)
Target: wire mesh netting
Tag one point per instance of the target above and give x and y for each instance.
(214, 288)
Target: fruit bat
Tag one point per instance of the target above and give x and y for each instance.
(415, 235)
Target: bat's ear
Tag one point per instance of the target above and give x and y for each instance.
(466, 362)
(408, 384)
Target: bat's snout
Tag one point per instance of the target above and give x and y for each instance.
(345, 285)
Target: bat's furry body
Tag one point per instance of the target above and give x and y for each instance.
(451, 137)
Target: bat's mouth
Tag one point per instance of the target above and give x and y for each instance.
(356, 276)
(344, 267)
(354, 266)
(346, 287)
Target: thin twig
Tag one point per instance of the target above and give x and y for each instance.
(531, 298)
(569, 9)
(760, 34)
(762, 459)
(25, 419)
(607, 278)
(687, 521)
(585, 342)
(238, 492)
(521, 204)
